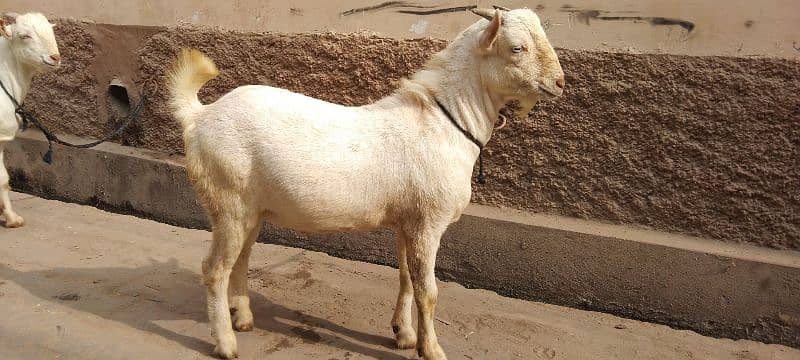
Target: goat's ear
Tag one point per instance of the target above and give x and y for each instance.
(6, 20)
(484, 13)
(10, 18)
(490, 34)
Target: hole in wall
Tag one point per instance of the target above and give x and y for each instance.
(119, 105)
(118, 100)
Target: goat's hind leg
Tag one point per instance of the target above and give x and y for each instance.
(238, 298)
(12, 219)
(230, 230)
(402, 322)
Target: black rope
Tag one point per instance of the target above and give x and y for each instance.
(468, 135)
(28, 117)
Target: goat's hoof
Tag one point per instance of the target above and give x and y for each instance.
(225, 354)
(14, 221)
(405, 337)
(226, 347)
(245, 327)
(432, 353)
(242, 319)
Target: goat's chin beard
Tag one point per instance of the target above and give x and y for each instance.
(527, 104)
(36, 67)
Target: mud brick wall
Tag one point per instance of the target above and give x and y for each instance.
(706, 146)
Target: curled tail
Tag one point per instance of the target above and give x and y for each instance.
(190, 71)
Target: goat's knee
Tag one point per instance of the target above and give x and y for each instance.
(212, 271)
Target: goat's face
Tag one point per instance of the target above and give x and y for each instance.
(32, 40)
(517, 61)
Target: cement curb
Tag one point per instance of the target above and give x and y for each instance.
(717, 289)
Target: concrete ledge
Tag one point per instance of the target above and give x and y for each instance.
(715, 288)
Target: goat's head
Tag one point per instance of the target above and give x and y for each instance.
(516, 60)
(32, 40)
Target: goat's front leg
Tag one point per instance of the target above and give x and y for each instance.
(238, 298)
(422, 248)
(402, 326)
(12, 219)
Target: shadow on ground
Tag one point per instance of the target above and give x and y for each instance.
(137, 298)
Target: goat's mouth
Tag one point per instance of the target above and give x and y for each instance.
(549, 91)
(51, 63)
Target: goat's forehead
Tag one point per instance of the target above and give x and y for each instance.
(523, 20)
(521, 16)
(34, 22)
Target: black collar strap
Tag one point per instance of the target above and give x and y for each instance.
(17, 107)
(468, 135)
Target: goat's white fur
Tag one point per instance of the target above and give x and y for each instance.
(266, 153)
(27, 47)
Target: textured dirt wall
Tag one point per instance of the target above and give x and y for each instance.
(684, 27)
(348, 69)
(66, 99)
(705, 146)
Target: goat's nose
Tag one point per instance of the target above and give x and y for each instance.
(560, 82)
(55, 57)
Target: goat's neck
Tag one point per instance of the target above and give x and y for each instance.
(470, 104)
(16, 76)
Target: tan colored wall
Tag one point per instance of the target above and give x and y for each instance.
(706, 146)
(718, 27)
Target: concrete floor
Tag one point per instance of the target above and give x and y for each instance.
(80, 283)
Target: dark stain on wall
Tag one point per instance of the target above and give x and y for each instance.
(432, 10)
(587, 15)
(437, 11)
(706, 146)
(384, 6)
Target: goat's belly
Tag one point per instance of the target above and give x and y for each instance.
(324, 226)
(324, 213)
(327, 222)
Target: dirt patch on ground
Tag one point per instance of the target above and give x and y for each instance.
(706, 146)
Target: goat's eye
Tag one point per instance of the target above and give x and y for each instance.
(517, 49)
(24, 37)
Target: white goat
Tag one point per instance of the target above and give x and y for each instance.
(27, 47)
(266, 153)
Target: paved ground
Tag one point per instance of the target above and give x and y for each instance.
(79, 283)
